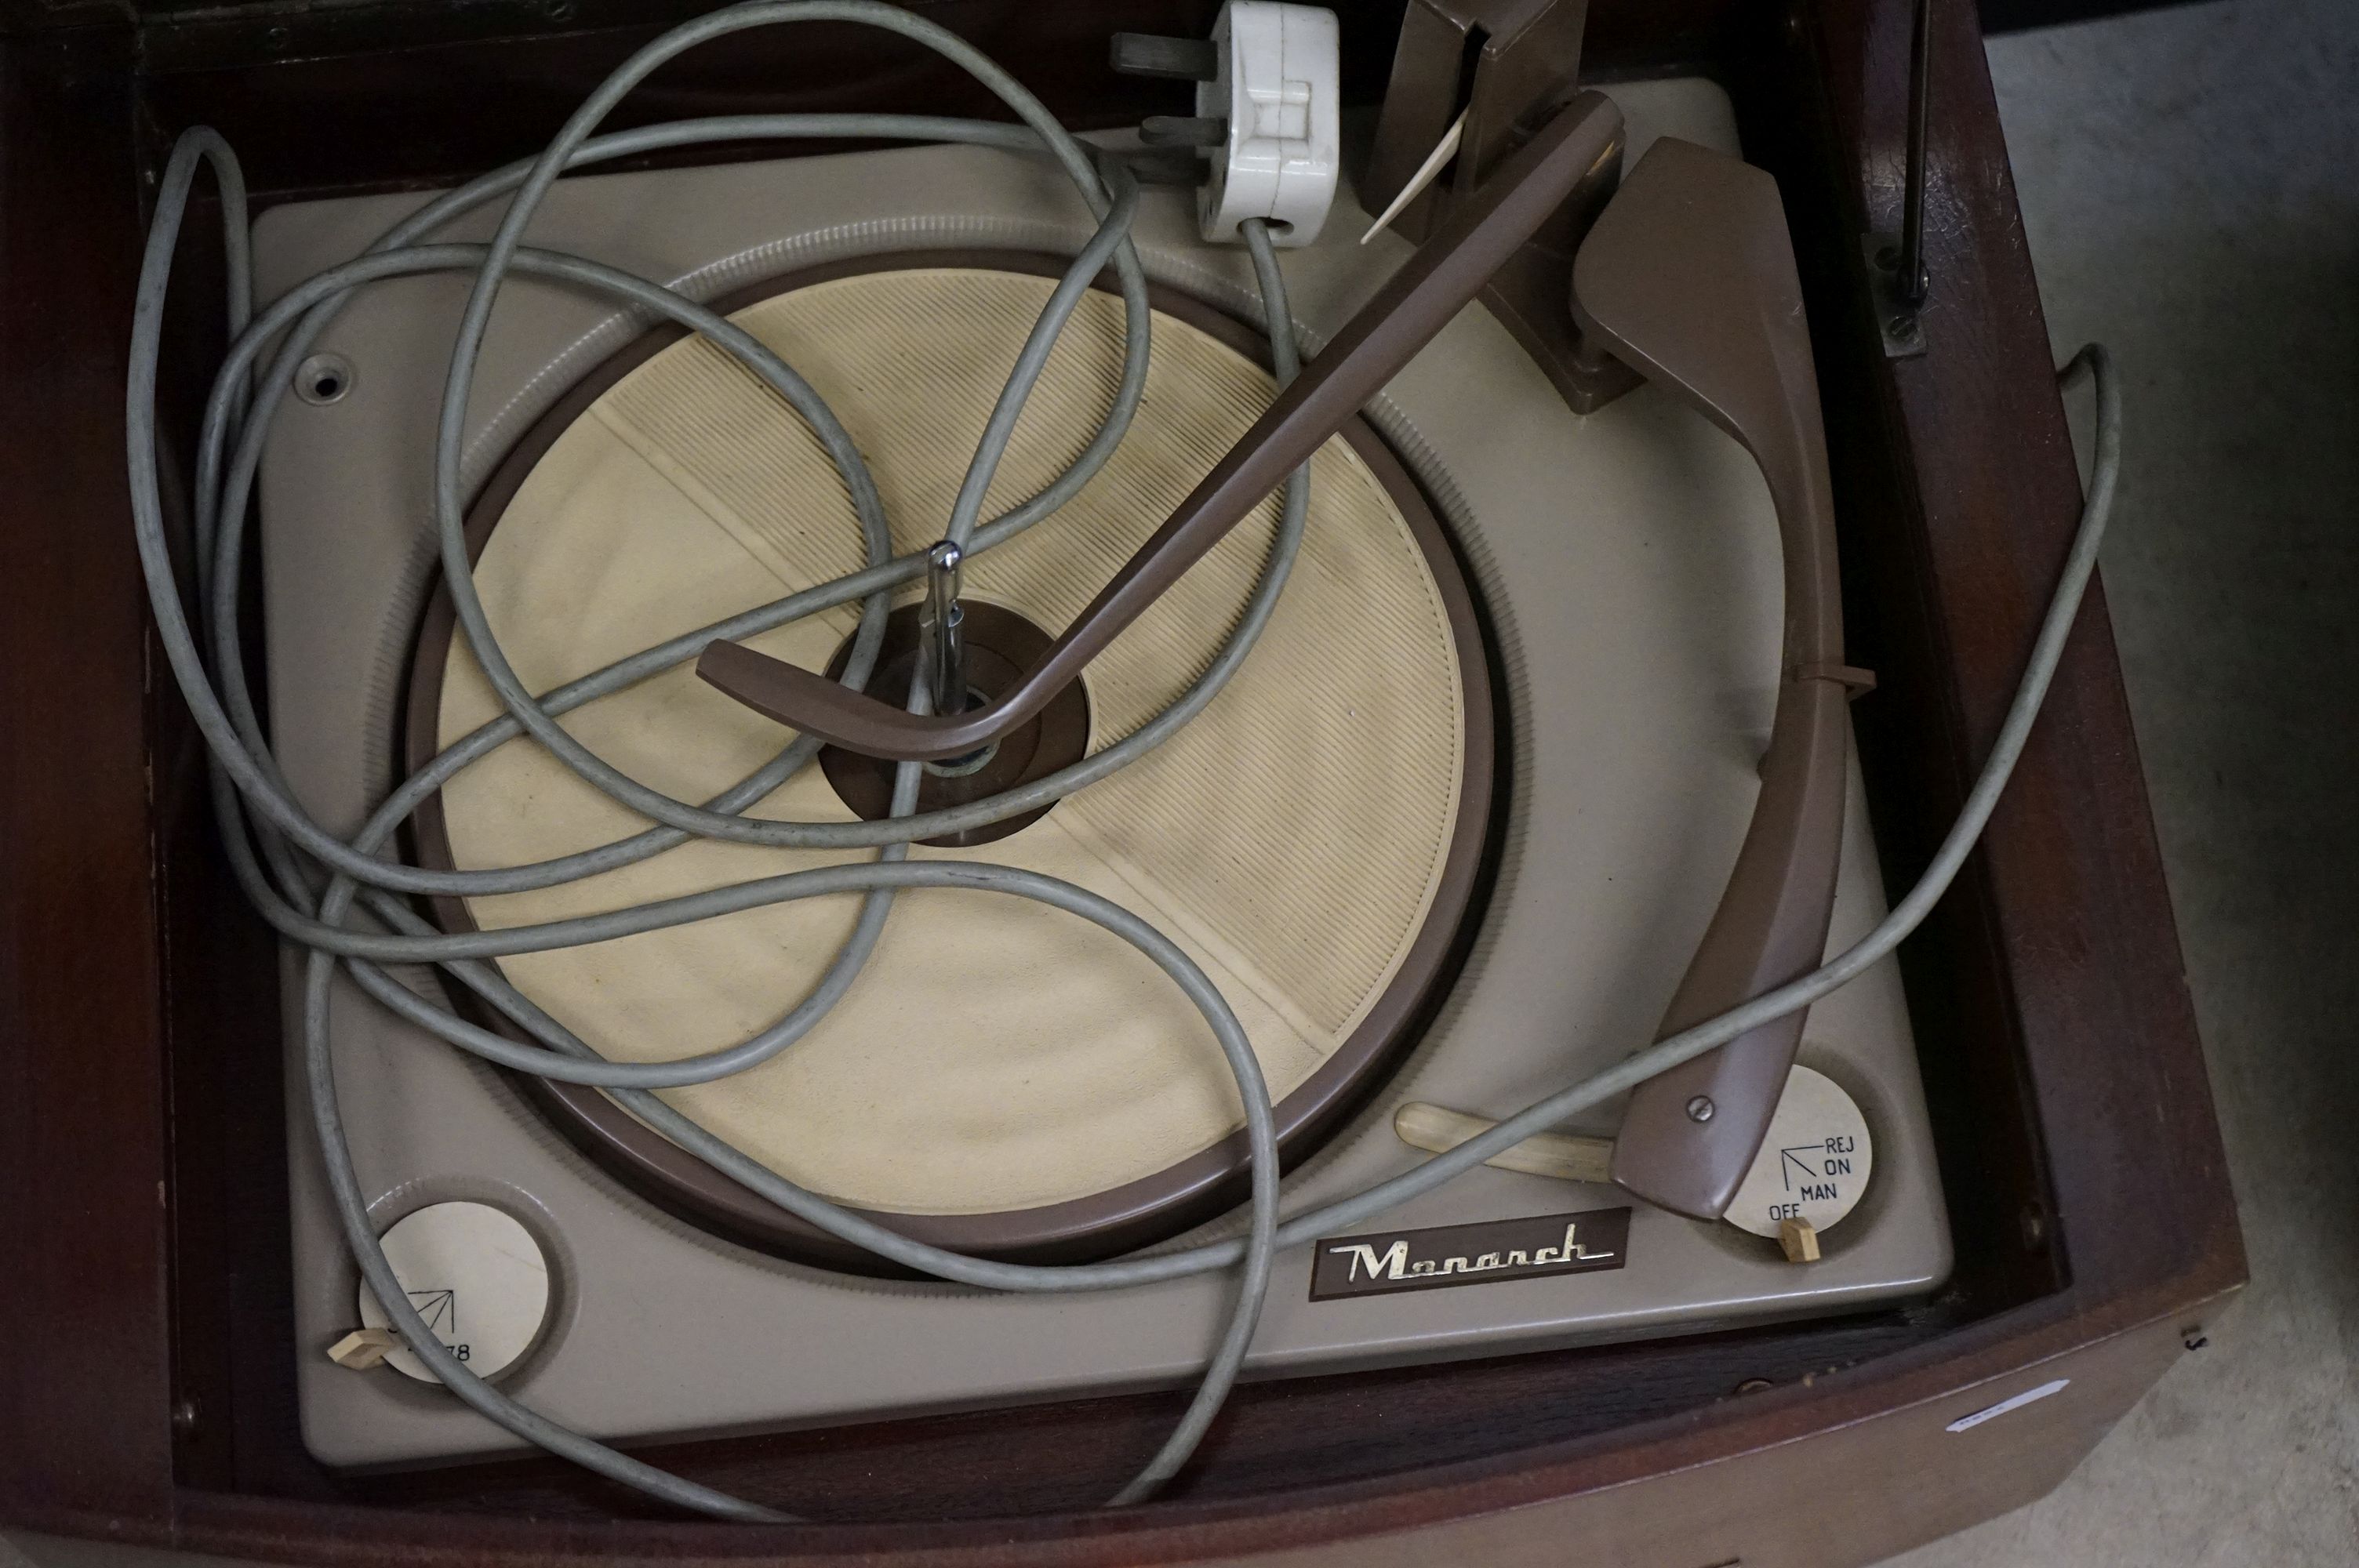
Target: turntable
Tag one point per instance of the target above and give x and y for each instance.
(877, 820)
(1448, 839)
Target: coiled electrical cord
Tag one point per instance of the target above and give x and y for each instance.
(307, 881)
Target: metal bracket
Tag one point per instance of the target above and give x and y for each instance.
(1900, 323)
(1895, 262)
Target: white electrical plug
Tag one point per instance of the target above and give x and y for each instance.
(1276, 89)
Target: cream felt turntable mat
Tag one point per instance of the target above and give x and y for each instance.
(995, 1053)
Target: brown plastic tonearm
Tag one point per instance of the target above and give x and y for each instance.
(1479, 234)
(1688, 277)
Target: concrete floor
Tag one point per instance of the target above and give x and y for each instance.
(2189, 179)
(2189, 182)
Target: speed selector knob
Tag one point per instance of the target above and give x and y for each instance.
(476, 1277)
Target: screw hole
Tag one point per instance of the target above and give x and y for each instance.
(323, 379)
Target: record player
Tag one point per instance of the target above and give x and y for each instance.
(1554, 641)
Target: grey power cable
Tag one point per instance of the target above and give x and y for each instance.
(306, 881)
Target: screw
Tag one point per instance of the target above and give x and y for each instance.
(1888, 259)
(184, 1415)
(1699, 1109)
(275, 40)
(1903, 326)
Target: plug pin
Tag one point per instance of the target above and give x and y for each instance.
(1184, 59)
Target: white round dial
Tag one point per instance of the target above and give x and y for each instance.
(478, 1279)
(1814, 1164)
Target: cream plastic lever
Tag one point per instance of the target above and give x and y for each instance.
(1566, 1156)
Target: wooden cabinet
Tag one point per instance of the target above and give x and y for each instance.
(145, 1386)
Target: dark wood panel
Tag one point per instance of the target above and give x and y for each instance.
(1828, 1503)
(2070, 886)
(1274, 1437)
(349, 116)
(84, 1383)
(355, 97)
(1883, 1476)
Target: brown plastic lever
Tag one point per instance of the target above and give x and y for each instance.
(1373, 347)
(1688, 277)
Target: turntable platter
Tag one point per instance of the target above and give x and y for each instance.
(1009, 1079)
